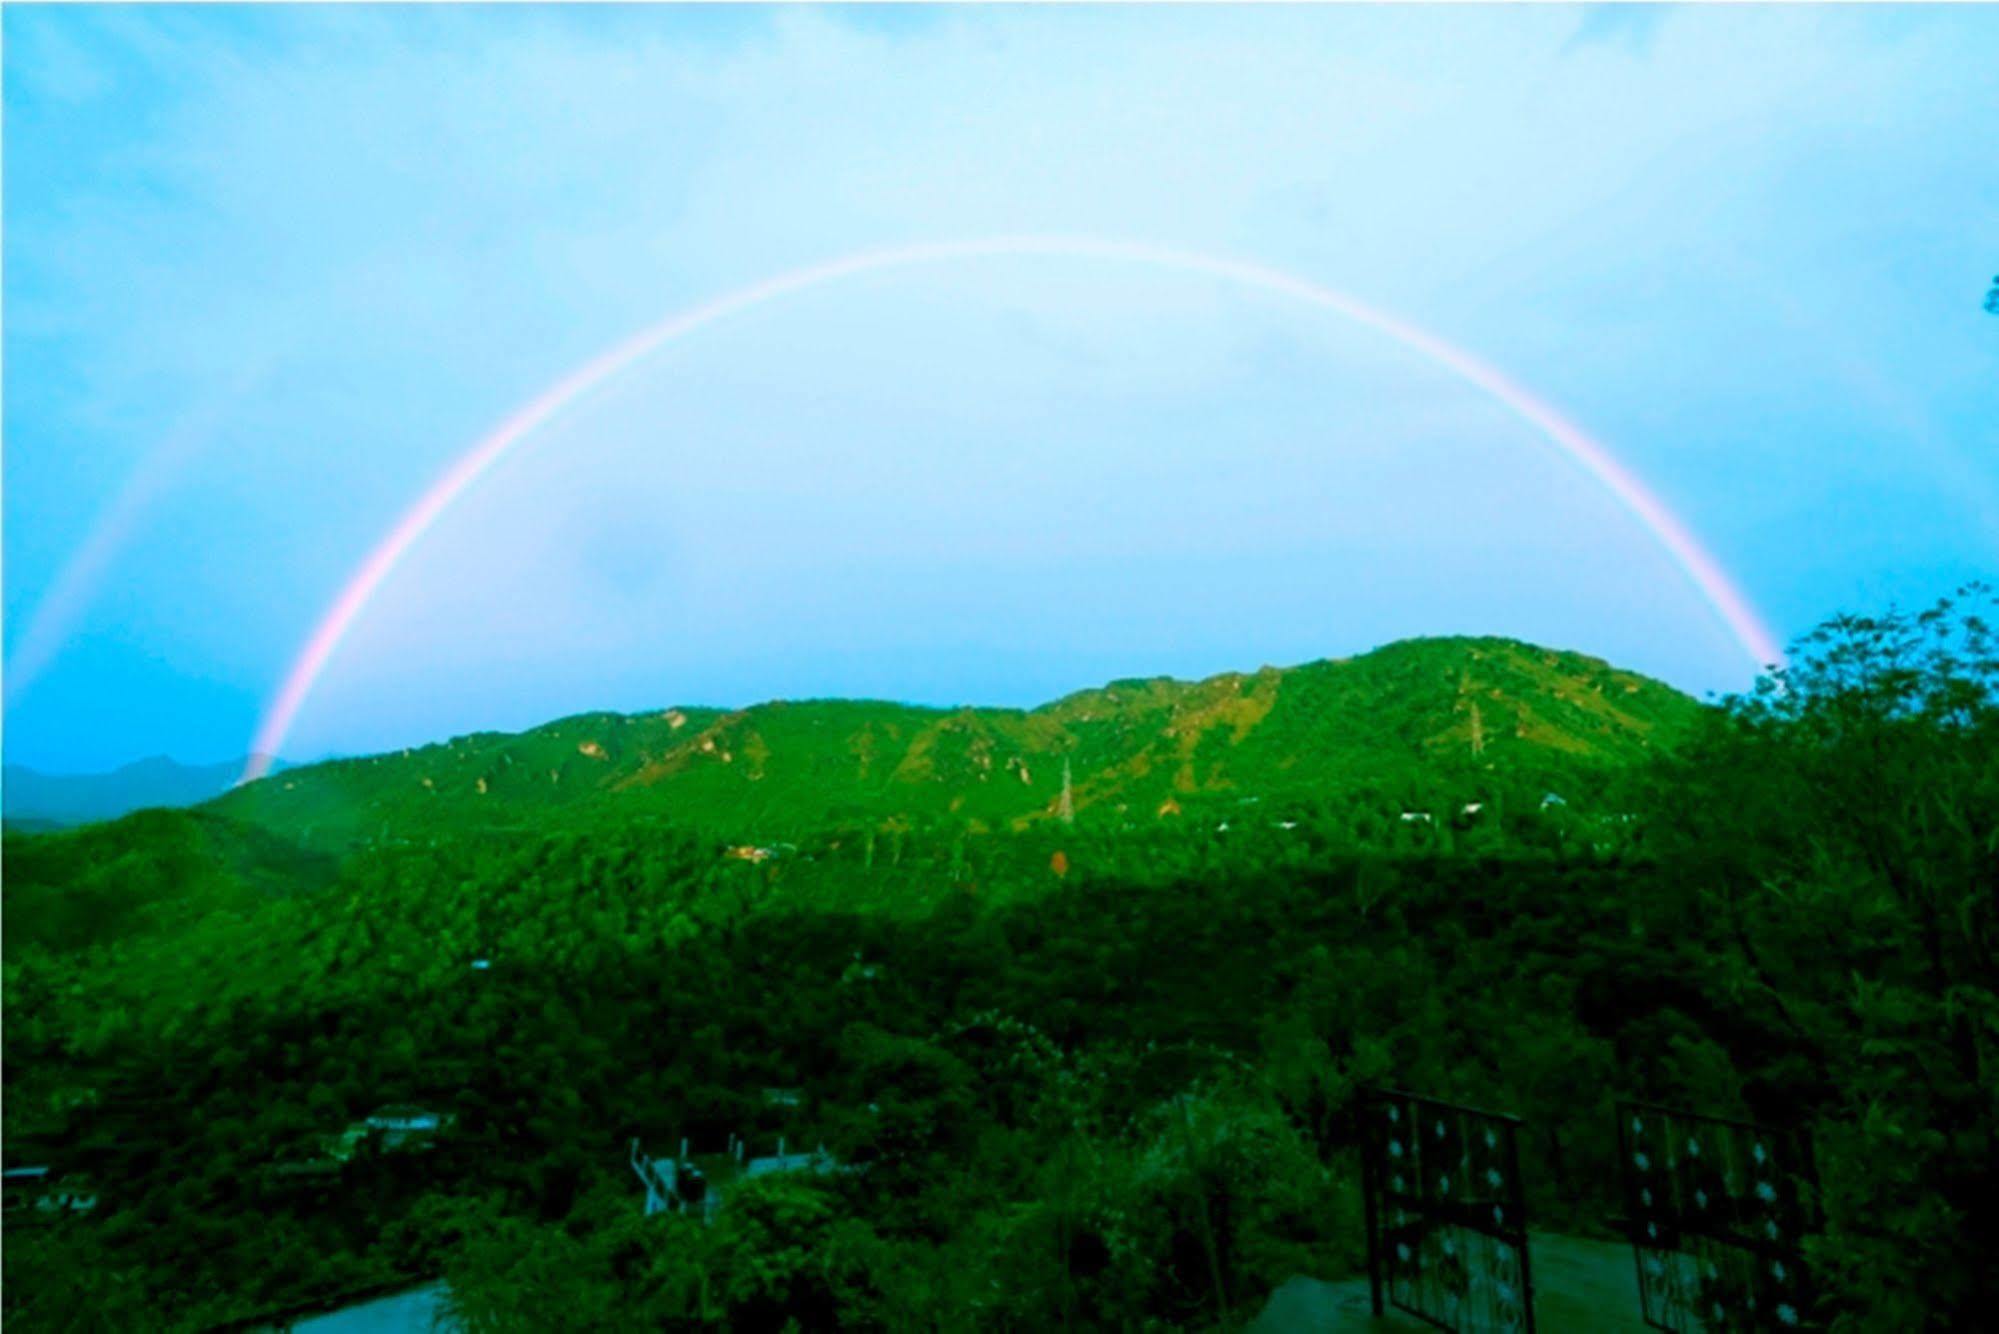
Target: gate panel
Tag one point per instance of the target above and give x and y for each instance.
(1446, 1217)
(1718, 1212)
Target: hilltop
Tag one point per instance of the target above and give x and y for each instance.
(1419, 721)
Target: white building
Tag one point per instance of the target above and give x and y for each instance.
(400, 1123)
(673, 1185)
(45, 1192)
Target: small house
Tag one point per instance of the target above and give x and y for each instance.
(674, 1185)
(45, 1191)
(23, 1186)
(405, 1117)
(400, 1123)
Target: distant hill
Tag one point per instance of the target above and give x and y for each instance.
(1420, 721)
(148, 873)
(32, 800)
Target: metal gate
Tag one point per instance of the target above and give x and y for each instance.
(1446, 1222)
(1717, 1211)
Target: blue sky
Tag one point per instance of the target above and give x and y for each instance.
(268, 270)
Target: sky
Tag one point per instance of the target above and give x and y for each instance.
(269, 271)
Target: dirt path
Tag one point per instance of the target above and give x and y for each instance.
(1580, 1287)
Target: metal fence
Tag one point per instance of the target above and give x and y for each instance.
(1446, 1218)
(1717, 1210)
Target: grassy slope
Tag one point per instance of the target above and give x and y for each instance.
(1393, 721)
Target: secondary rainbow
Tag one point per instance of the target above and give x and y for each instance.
(1730, 605)
(50, 624)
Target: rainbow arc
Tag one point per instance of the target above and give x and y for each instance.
(1729, 603)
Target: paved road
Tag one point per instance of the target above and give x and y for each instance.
(1580, 1287)
(418, 1311)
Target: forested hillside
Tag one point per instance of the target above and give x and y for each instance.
(1099, 1074)
(1415, 725)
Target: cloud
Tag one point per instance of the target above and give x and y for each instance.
(1631, 25)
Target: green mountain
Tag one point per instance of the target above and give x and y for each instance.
(1423, 722)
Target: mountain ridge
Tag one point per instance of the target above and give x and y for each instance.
(1451, 711)
(32, 798)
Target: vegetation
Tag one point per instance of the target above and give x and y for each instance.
(1097, 1074)
(1408, 726)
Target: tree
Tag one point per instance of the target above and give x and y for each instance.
(1842, 823)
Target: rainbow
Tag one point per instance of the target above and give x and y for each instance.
(1713, 584)
(50, 625)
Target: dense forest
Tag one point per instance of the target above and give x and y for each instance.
(1092, 1047)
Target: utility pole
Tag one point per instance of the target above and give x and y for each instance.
(1477, 724)
(1068, 807)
